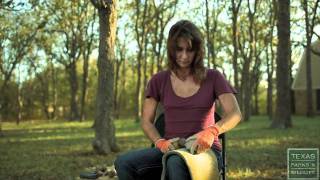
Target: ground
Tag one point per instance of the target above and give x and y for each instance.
(48, 150)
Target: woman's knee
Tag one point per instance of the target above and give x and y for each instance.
(176, 168)
(174, 162)
(118, 162)
(121, 163)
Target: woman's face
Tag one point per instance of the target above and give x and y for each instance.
(184, 53)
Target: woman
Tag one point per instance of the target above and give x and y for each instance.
(187, 91)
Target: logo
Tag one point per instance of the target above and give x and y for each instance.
(303, 163)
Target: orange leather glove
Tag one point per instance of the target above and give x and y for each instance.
(164, 145)
(204, 140)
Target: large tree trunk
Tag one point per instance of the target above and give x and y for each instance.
(282, 118)
(247, 91)
(105, 141)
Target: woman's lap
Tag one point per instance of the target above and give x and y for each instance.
(140, 163)
(144, 164)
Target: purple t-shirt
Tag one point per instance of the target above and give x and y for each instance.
(187, 116)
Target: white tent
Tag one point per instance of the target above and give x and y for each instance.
(299, 85)
(300, 80)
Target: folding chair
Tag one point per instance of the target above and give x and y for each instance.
(160, 124)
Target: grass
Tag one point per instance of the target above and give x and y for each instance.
(61, 150)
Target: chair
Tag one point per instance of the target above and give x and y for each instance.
(160, 124)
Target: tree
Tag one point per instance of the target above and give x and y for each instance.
(141, 37)
(282, 118)
(211, 29)
(309, 34)
(120, 61)
(15, 38)
(270, 60)
(247, 51)
(71, 20)
(163, 14)
(88, 38)
(105, 141)
(235, 34)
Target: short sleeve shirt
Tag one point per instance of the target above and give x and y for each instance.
(185, 116)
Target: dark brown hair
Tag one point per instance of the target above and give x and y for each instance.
(188, 30)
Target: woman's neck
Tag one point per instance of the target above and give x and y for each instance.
(183, 74)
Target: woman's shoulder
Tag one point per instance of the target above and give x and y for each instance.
(213, 72)
(161, 75)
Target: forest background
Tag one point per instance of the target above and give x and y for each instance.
(68, 68)
(49, 51)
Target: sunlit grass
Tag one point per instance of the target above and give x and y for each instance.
(61, 149)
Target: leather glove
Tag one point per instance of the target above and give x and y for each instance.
(164, 145)
(204, 140)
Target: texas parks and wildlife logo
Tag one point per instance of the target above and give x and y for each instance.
(303, 163)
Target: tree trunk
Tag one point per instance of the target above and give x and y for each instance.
(105, 141)
(235, 10)
(270, 70)
(246, 81)
(270, 61)
(116, 88)
(137, 94)
(84, 84)
(19, 102)
(73, 80)
(88, 45)
(247, 91)
(282, 118)
(145, 74)
(256, 99)
(19, 98)
(140, 36)
(208, 34)
(44, 99)
(54, 90)
(122, 103)
(1, 133)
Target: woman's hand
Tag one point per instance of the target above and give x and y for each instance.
(204, 140)
(164, 145)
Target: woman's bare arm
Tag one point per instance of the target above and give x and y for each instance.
(148, 115)
(232, 114)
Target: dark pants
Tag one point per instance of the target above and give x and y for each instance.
(147, 164)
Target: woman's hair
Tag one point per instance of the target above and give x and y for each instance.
(186, 29)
